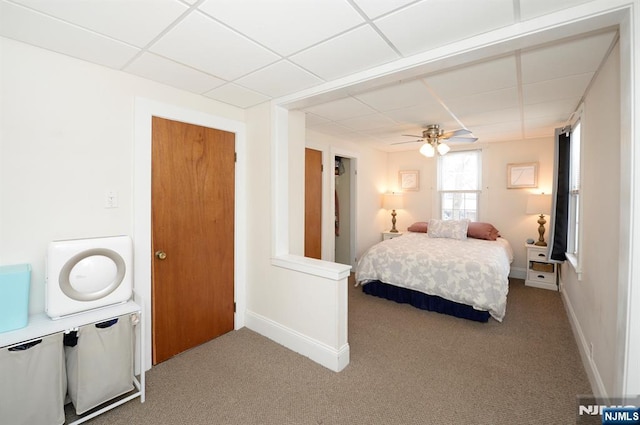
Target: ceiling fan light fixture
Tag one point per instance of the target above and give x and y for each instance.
(427, 150)
(433, 138)
(443, 148)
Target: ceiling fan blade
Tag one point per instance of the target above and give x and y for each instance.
(412, 135)
(462, 139)
(402, 143)
(454, 133)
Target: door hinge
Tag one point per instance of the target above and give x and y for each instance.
(234, 307)
(235, 157)
(322, 168)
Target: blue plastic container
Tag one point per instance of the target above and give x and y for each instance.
(14, 296)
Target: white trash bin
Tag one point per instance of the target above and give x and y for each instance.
(33, 382)
(100, 365)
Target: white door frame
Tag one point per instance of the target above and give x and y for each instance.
(145, 109)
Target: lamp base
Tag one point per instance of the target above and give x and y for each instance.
(541, 223)
(393, 222)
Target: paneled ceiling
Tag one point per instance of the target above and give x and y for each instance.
(246, 52)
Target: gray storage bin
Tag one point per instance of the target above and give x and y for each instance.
(100, 365)
(33, 383)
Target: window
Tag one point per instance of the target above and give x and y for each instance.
(459, 185)
(573, 236)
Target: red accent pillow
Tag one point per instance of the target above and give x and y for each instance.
(419, 227)
(480, 230)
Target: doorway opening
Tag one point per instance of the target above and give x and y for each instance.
(344, 209)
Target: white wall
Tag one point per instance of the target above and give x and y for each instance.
(68, 135)
(504, 208)
(66, 138)
(286, 300)
(593, 298)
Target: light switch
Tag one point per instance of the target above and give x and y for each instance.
(111, 200)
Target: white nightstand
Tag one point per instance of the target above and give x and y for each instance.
(390, 235)
(540, 272)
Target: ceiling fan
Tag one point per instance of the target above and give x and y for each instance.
(434, 136)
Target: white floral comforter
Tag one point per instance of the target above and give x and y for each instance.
(470, 271)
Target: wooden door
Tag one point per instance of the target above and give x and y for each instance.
(193, 194)
(313, 204)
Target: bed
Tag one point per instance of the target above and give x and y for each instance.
(448, 267)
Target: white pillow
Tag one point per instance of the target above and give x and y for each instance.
(452, 229)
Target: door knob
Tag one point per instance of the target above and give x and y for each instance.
(161, 255)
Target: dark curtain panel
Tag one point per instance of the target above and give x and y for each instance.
(560, 208)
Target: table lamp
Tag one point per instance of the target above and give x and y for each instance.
(393, 201)
(539, 204)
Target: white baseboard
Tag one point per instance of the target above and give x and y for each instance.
(327, 356)
(597, 386)
(518, 273)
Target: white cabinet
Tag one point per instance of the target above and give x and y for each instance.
(390, 235)
(541, 273)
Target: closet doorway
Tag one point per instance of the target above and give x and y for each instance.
(344, 210)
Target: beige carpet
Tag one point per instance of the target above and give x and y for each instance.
(407, 367)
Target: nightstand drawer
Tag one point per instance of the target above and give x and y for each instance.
(540, 272)
(390, 235)
(537, 255)
(541, 276)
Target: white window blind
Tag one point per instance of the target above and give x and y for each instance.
(574, 180)
(459, 175)
(573, 239)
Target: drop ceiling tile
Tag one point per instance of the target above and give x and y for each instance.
(533, 8)
(557, 89)
(499, 132)
(354, 51)
(542, 127)
(397, 96)
(431, 24)
(565, 58)
(174, 74)
(204, 44)
(562, 108)
(313, 120)
(481, 117)
(427, 114)
(369, 123)
(34, 28)
(336, 130)
(279, 79)
(134, 22)
(237, 96)
(341, 109)
(375, 8)
(485, 101)
(285, 26)
(392, 134)
(477, 78)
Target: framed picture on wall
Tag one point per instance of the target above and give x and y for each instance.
(522, 175)
(409, 180)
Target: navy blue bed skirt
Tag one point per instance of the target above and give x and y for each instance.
(424, 301)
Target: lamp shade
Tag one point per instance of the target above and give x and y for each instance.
(427, 150)
(393, 201)
(539, 204)
(443, 149)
